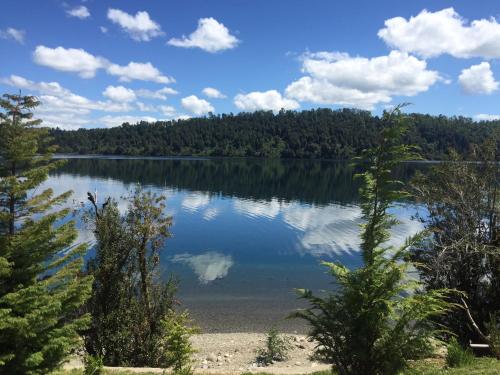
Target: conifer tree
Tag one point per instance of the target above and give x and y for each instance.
(41, 288)
(375, 319)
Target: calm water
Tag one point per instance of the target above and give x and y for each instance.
(246, 232)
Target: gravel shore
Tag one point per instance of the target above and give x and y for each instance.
(235, 353)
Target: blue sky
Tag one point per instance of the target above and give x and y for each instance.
(98, 63)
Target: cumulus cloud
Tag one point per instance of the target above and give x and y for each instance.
(337, 78)
(140, 27)
(270, 100)
(196, 105)
(213, 93)
(86, 65)
(138, 71)
(486, 117)
(61, 107)
(13, 34)
(119, 93)
(211, 36)
(80, 12)
(478, 79)
(208, 267)
(69, 60)
(430, 34)
(167, 110)
(157, 94)
(112, 121)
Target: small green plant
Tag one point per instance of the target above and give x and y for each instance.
(177, 344)
(277, 347)
(458, 356)
(93, 364)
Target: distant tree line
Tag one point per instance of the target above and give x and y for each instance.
(313, 134)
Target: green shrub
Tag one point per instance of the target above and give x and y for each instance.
(93, 364)
(277, 347)
(494, 335)
(177, 345)
(457, 356)
(377, 318)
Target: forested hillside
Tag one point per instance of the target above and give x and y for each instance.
(318, 133)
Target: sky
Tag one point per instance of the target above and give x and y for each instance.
(99, 63)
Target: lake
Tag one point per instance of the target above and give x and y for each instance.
(246, 232)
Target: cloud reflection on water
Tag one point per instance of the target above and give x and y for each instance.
(324, 230)
(208, 267)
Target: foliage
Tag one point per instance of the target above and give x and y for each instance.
(276, 350)
(479, 366)
(458, 356)
(41, 286)
(461, 202)
(129, 300)
(176, 341)
(312, 134)
(93, 365)
(375, 321)
(493, 331)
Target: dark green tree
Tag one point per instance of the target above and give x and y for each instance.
(462, 205)
(129, 300)
(375, 321)
(315, 133)
(41, 286)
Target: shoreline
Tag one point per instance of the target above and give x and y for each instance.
(235, 353)
(252, 315)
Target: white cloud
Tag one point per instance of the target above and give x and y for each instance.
(208, 267)
(196, 105)
(119, 93)
(112, 121)
(157, 94)
(210, 36)
(13, 34)
(140, 27)
(213, 93)
(103, 29)
(430, 34)
(61, 107)
(138, 71)
(478, 79)
(167, 110)
(80, 12)
(69, 60)
(486, 117)
(268, 101)
(86, 65)
(143, 107)
(337, 78)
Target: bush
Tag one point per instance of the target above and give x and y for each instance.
(457, 356)
(277, 347)
(177, 344)
(93, 364)
(377, 317)
(129, 297)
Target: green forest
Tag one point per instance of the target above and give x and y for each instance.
(312, 134)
